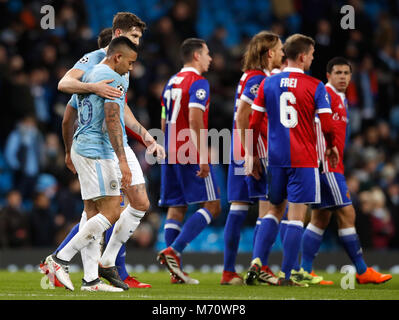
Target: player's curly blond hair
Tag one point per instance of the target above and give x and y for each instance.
(260, 44)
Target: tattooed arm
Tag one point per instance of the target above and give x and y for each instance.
(112, 120)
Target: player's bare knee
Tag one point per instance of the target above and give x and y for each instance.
(90, 208)
(214, 208)
(176, 213)
(109, 207)
(142, 205)
(138, 198)
(277, 210)
(346, 217)
(320, 221)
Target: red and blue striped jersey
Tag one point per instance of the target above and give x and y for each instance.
(246, 91)
(186, 89)
(291, 100)
(339, 108)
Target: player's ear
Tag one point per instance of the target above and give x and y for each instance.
(196, 55)
(118, 57)
(118, 32)
(302, 57)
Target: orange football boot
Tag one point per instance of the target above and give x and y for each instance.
(372, 276)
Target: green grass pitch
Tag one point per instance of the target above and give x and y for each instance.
(28, 286)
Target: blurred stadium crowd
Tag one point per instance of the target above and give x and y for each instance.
(40, 200)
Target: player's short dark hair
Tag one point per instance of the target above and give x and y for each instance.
(119, 42)
(338, 61)
(284, 58)
(259, 45)
(297, 44)
(127, 20)
(104, 38)
(188, 47)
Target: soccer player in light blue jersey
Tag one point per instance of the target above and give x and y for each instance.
(97, 140)
(129, 25)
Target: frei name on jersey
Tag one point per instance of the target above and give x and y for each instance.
(288, 82)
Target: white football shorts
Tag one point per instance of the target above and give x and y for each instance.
(134, 165)
(98, 177)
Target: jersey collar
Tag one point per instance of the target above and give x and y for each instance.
(266, 72)
(341, 94)
(291, 69)
(190, 69)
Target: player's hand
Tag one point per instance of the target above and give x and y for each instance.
(69, 163)
(157, 150)
(333, 155)
(248, 164)
(253, 166)
(126, 180)
(203, 171)
(104, 90)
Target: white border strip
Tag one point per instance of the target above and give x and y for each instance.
(206, 215)
(172, 226)
(258, 108)
(196, 105)
(239, 207)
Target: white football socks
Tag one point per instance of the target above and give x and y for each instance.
(123, 229)
(90, 254)
(92, 257)
(82, 222)
(92, 230)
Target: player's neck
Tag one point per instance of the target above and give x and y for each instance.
(294, 64)
(335, 88)
(193, 65)
(109, 63)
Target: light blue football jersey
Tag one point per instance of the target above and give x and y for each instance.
(90, 59)
(91, 138)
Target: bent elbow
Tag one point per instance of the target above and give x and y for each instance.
(61, 86)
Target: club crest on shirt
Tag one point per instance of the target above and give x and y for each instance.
(120, 88)
(328, 100)
(200, 94)
(84, 59)
(113, 185)
(254, 89)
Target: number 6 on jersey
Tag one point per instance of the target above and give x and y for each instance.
(288, 114)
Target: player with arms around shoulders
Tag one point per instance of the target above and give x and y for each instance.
(291, 100)
(334, 191)
(187, 176)
(98, 138)
(263, 54)
(129, 25)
